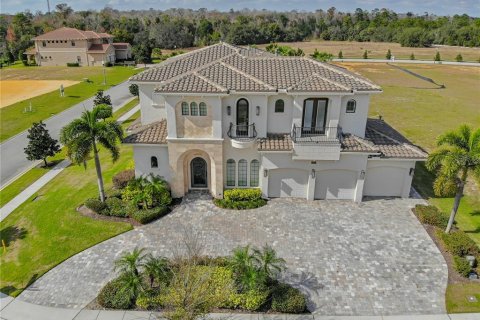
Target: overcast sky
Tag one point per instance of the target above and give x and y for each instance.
(439, 7)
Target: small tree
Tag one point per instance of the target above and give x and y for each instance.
(340, 54)
(412, 56)
(133, 88)
(388, 55)
(40, 144)
(365, 54)
(459, 58)
(101, 98)
(437, 57)
(322, 56)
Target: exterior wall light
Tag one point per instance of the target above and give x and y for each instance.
(362, 174)
(258, 110)
(313, 173)
(265, 173)
(229, 110)
(412, 170)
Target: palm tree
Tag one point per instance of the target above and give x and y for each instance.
(156, 268)
(131, 262)
(268, 261)
(457, 155)
(82, 135)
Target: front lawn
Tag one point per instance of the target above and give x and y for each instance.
(457, 301)
(13, 119)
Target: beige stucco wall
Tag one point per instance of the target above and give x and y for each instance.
(61, 53)
(193, 126)
(181, 153)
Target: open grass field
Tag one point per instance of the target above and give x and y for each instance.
(18, 90)
(14, 119)
(33, 231)
(378, 50)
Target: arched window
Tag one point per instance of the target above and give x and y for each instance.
(351, 106)
(193, 109)
(242, 173)
(154, 162)
(254, 173)
(203, 108)
(185, 109)
(231, 173)
(279, 106)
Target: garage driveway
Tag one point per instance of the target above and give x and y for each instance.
(372, 258)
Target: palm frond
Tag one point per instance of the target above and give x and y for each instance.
(475, 142)
(436, 157)
(457, 138)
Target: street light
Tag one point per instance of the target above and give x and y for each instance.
(104, 74)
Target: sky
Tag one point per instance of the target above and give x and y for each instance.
(438, 7)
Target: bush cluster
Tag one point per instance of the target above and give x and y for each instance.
(121, 179)
(462, 266)
(459, 243)
(95, 205)
(73, 64)
(113, 296)
(287, 299)
(116, 208)
(147, 215)
(240, 199)
(431, 215)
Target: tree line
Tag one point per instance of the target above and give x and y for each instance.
(181, 28)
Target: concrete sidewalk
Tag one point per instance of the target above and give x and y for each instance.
(47, 177)
(452, 63)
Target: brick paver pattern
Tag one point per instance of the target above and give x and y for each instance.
(372, 258)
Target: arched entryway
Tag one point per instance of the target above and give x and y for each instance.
(198, 173)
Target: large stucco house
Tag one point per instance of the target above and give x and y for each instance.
(70, 45)
(229, 117)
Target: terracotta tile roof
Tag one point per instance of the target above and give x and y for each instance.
(191, 83)
(121, 45)
(154, 133)
(275, 142)
(257, 69)
(95, 48)
(353, 143)
(105, 35)
(65, 33)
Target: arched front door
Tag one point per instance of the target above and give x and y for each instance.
(198, 173)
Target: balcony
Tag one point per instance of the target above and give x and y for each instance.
(316, 143)
(242, 136)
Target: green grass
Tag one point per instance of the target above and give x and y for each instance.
(457, 298)
(13, 119)
(117, 114)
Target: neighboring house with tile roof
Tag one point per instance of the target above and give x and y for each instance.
(230, 117)
(70, 45)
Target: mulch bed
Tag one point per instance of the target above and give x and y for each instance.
(84, 211)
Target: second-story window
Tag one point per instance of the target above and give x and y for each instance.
(351, 106)
(193, 109)
(203, 108)
(154, 162)
(73, 43)
(44, 43)
(185, 109)
(279, 106)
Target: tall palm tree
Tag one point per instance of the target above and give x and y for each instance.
(82, 135)
(268, 261)
(457, 155)
(131, 262)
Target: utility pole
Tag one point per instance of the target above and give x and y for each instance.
(48, 5)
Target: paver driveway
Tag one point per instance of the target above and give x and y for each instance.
(372, 258)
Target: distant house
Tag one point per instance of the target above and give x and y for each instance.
(70, 45)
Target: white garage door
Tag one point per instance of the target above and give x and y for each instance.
(287, 183)
(335, 184)
(384, 182)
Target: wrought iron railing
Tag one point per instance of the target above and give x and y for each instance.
(242, 132)
(316, 134)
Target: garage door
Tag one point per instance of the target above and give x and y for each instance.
(287, 183)
(384, 182)
(335, 184)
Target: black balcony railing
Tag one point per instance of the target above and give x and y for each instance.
(242, 132)
(316, 134)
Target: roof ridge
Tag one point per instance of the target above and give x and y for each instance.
(249, 76)
(211, 82)
(407, 145)
(331, 68)
(303, 81)
(187, 54)
(334, 82)
(365, 142)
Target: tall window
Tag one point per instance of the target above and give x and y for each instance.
(254, 170)
(279, 106)
(193, 109)
(73, 43)
(314, 115)
(242, 173)
(185, 109)
(351, 106)
(44, 43)
(154, 162)
(231, 173)
(203, 108)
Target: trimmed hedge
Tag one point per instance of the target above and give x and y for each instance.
(242, 194)
(111, 296)
(287, 299)
(431, 215)
(459, 243)
(462, 266)
(240, 205)
(146, 215)
(121, 179)
(73, 64)
(116, 207)
(95, 205)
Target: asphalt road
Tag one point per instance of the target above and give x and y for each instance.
(12, 156)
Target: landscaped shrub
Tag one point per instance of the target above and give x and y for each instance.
(108, 64)
(116, 207)
(112, 296)
(287, 299)
(147, 192)
(146, 215)
(150, 302)
(241, 199)
(251, 300)
(242, 194)
(121, 179)
(95, 205)
(113, 193)
(73, 64)
(462, 266)
(431, 215)
(240, 205)
(459, 243)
